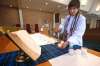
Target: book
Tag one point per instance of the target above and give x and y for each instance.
(31, 43)
(42, 39)
(25, 42)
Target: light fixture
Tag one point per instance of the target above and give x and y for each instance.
(27, 7)
(83, 2)
(46, 3)
(98, 8)
(40, 9)
(10, 5)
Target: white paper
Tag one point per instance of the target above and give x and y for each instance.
(42, 39)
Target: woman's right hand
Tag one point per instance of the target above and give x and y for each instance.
(60, 44)
(63, 44)
(58, 30)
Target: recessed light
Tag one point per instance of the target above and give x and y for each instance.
(27, 7)
(83, 2)
(40, 9)
(98, 8)
(46, 3)
(10, 5)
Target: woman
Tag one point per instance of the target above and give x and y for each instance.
(73, 28)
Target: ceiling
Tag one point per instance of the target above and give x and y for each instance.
(51, 5)
(42, 5)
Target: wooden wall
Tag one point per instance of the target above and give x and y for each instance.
(8, 16)
(36, 17)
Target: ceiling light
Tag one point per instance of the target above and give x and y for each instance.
(10, 5)
(46, 3)
(27, 7)
(40, 9)
(83, 2)
(98, 8)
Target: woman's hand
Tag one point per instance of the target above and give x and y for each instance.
(63, 44)
(58, 30)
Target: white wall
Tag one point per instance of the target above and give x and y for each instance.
(91, 19)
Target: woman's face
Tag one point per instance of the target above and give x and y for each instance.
(73, 11)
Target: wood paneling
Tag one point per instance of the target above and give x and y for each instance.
(8, 16)
(36, 17)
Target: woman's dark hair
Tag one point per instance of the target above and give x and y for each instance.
(74, 3)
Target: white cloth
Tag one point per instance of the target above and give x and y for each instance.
(76, 37)
(76, 60)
